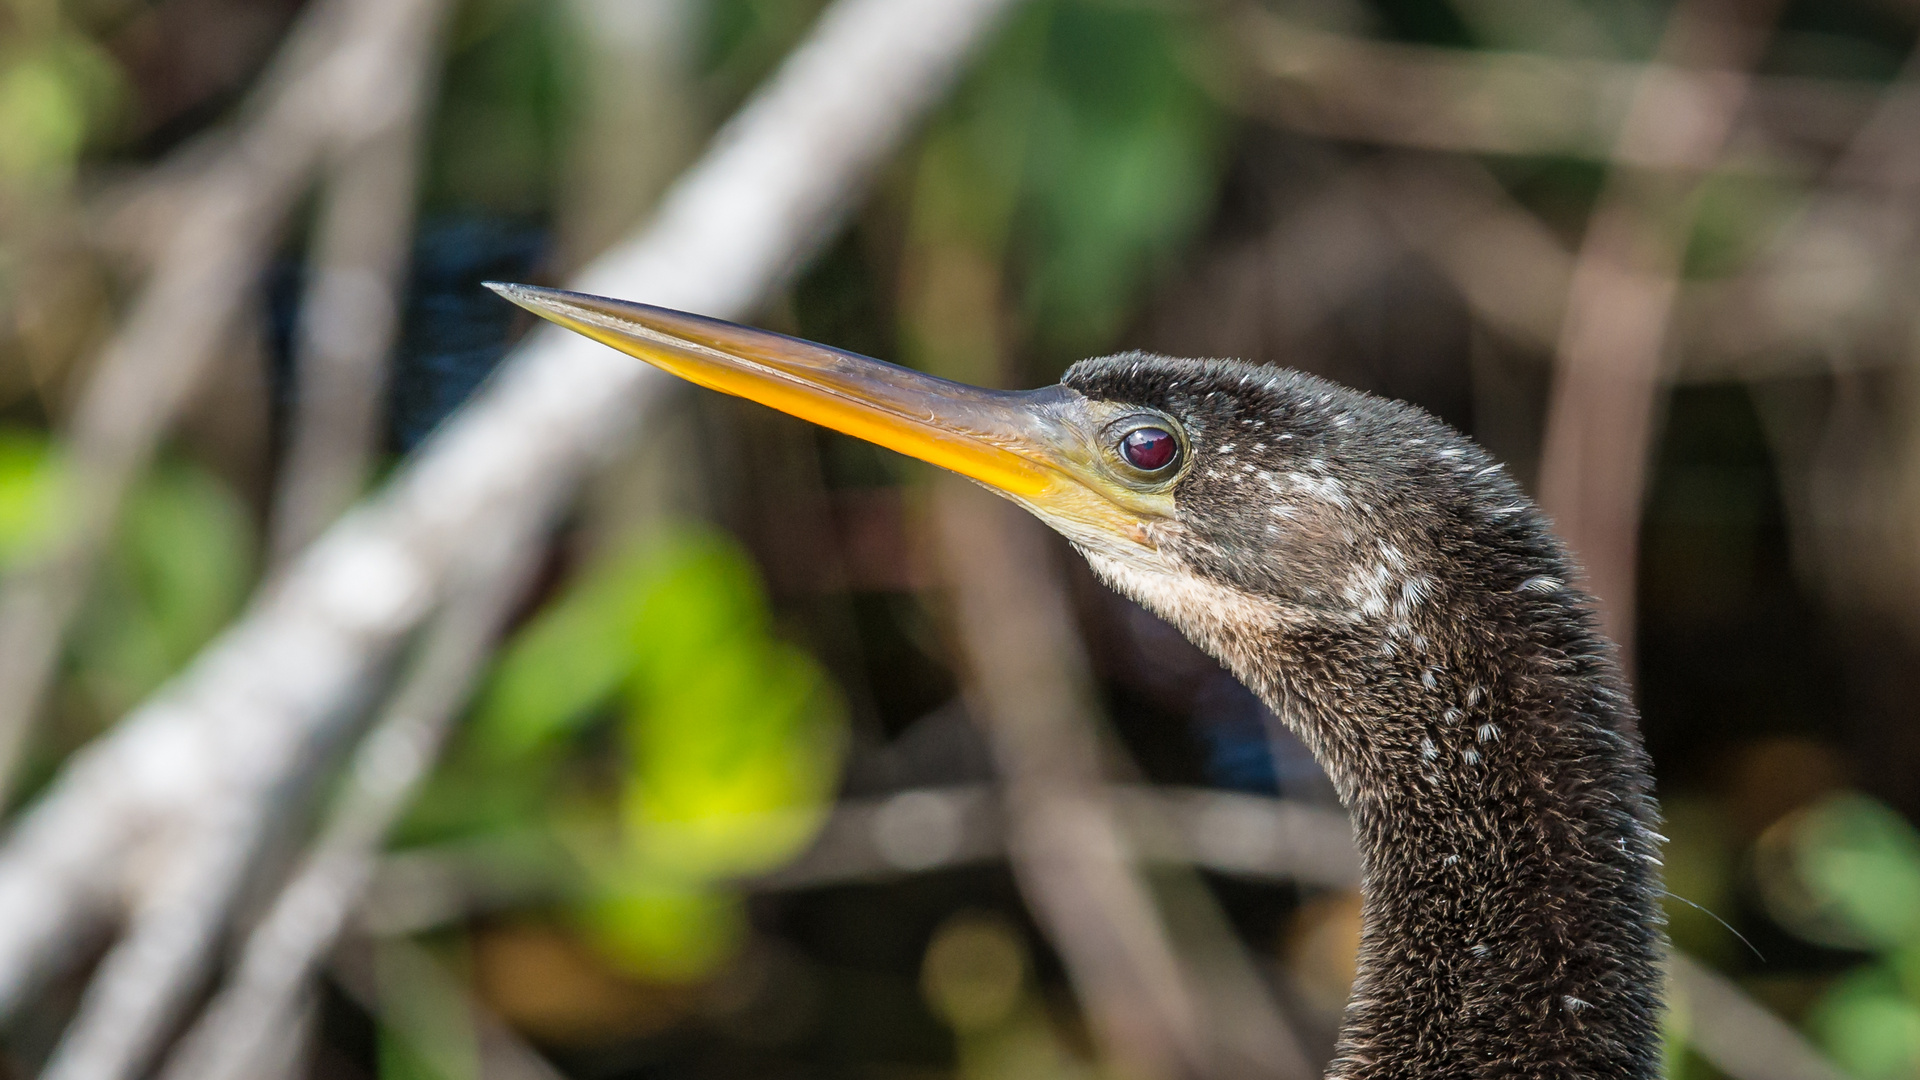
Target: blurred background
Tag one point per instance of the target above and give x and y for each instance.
(714, 768)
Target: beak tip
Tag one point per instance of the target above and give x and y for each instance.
(526, 296)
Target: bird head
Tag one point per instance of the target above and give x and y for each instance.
(1229, 498)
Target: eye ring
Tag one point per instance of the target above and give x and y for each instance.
(1150, 448)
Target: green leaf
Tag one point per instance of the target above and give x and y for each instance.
(1735, 220)
(28, 500)
(735, 762)
(735, 735)
(733, 743)
(649, 611)
(1871, 1029)
(1122, 164)
(570, 661)
(665, 930)
(426, 1029)
(52, 95)
(182, 564)
(507, 99)
(1860, 862)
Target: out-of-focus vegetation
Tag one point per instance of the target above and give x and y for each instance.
(180, 568)
(727, 745)
(1845, 872)
(737, 629)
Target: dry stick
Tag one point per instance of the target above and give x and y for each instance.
(1226, 832)
(1841, 263)
(1505, 263)
(349, 316)
(1738, 1035)
(1029, 684)
(920, 830)
(635, 121)
(289, 944)
(1606, 388)
(331, 78)
(1246, 836)
(141, 985)
(908, 832)
(772, 188)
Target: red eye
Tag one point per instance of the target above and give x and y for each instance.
(1149, 449)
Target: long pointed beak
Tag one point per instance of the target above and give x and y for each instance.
(1036, 447)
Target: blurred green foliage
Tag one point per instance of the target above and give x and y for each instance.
(27, 492)
(1853, 878)
(500, 132)
(181, 565)
(732, 741)
(57, 88)
(1698, 862)
(1735, 218)
(650, 721)
(1084, 149)
(745, 39)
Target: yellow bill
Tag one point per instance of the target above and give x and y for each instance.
(1047, 449)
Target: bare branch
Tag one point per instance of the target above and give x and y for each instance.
(1739, 1036)
(1263, 839)
(931, 828)
(138, 991)
(330, 83)
(292, 941)
(771, 189)
(1508, 266)
(350, 315)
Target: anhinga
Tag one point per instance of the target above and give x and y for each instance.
(1384, 587)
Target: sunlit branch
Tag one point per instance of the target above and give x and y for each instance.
(320, 94)
(292, 941)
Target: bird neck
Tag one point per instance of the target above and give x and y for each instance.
(1502, 804)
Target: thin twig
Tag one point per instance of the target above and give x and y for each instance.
(350, 315)
(1600, 421)
(922, 830)
(291, 942)
(1837, 271)
(140, 986)
(772, 188)
(928, 828)
(1282, 284)
(331, 80)
(1738, 1035)
(887, 838)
